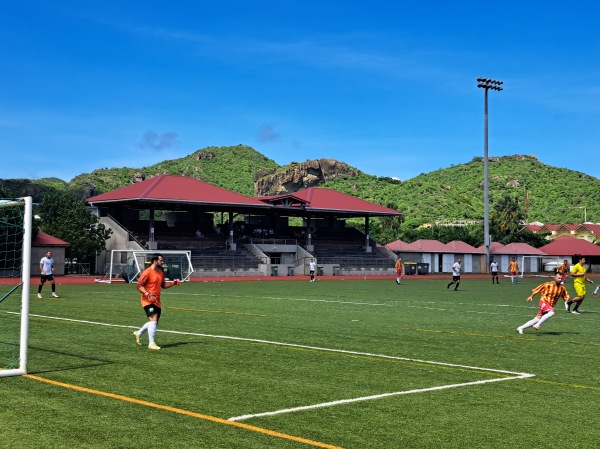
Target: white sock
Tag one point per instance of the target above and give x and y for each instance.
(530, 323)
(143, 329)
(152, 325)
(596, 290)
(545, 317)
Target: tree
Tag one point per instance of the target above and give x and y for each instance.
(506, 218)
(390, 226)
(65, 216)
(506, 222)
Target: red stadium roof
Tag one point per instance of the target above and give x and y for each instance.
(175, 190)
(170, 191)
(328, 200)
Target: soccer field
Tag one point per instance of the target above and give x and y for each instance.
(355, 364)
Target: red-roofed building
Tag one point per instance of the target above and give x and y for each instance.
(566, 247)
(40, 245)
(398, 246)
(587, 231)
(503, 253)
(439, 256)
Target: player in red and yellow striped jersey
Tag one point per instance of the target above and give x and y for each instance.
(149, 284)
(550, 292)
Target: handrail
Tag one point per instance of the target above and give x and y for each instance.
(130, 235)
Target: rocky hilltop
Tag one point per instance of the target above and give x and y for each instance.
(300, 175)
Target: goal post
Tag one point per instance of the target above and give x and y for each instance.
(15, 273)
(127, 265)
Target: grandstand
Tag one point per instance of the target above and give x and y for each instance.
(255, 238)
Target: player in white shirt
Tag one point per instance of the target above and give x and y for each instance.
(311, 268)
(455, 275)
(47, 274)
(494, 271)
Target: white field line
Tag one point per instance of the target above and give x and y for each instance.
(512, 375)
(373, 397)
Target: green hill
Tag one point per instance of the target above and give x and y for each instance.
(232, 168)
(556, 195)
(456, 193)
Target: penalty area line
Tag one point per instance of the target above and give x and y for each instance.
(512, 375)
(374, 397)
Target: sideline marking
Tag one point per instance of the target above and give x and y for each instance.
(185, 412)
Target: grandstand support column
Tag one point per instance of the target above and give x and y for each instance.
(232, 245)
(309, 245)
(367, 246)
(151, 242)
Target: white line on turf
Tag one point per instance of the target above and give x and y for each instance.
(375, 396)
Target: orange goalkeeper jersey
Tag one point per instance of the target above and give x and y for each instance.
(551, 292)
(152, 281)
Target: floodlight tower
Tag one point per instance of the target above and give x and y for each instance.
(486, 84)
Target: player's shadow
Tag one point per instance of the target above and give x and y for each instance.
(180, 343)
(556, 333)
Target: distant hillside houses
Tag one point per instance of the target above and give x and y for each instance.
(586, 231)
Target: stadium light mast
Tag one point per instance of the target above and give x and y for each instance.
(486, 84)
(584, 212)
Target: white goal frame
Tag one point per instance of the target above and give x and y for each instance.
(135, 261)
(27, 204)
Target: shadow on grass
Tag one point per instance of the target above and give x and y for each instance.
(555, 333)
(93, 362)
(181, 343)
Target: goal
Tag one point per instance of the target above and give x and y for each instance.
(537, 266)
(15, 271)
(127, 265)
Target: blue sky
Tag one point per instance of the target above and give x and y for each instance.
(387, 87)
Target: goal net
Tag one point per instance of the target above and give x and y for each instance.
(537, 266)
(15, 271)
(127, 265)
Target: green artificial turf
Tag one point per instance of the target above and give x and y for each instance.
(298, 350)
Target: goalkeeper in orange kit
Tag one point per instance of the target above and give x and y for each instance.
(149, 284)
